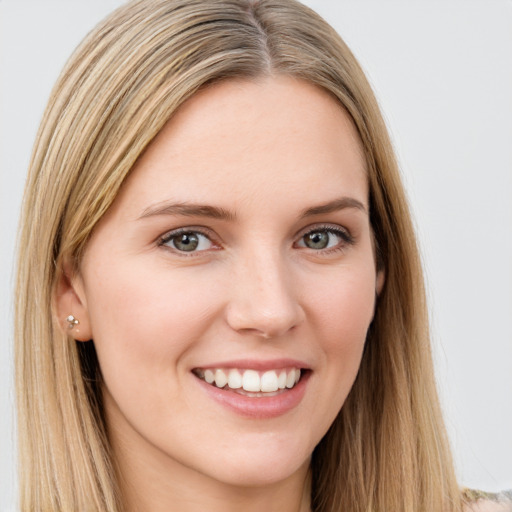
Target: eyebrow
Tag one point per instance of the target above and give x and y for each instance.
(334, 206)
(216, 212)
(189, 210)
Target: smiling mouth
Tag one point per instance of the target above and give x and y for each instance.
(251, 382)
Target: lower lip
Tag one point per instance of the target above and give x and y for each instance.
(263, 407)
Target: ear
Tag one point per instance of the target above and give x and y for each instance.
(379, 282)
(70, 300)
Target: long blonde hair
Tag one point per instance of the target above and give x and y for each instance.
(387, 449)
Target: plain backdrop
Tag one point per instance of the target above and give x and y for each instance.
(442, 71)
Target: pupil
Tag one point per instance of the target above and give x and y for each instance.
(186, 242)
(318, 240)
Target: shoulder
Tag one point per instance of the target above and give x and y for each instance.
(478, 501)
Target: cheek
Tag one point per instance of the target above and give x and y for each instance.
(343, 310)
(344, 305)
(145, 319)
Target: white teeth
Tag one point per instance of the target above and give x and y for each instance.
(220, 378)
(269, 381)
(251, 381)
(234, 379)
(209, 376)
(290, 379)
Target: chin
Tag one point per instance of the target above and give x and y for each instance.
(262, 474)
(260, 462)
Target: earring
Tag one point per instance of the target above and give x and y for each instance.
(72, 321)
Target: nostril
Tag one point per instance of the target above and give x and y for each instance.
(252, 320)
(255, 332)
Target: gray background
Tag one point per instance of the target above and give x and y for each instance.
(442, 71)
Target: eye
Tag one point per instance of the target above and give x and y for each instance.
(325, 238)
(187, 241)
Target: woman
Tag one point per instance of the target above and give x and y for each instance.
(232, 312)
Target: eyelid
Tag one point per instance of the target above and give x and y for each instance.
(333, 228)
(201, 230)
(342, 232)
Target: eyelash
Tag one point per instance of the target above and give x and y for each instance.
(346, 239)
(185, 231)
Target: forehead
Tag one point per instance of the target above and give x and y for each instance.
(245, 140)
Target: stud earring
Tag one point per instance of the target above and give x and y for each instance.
(72, 321)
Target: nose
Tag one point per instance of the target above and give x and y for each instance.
(263, 301)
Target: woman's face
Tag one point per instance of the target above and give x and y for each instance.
(239, 250)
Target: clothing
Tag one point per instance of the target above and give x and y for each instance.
(502, 500)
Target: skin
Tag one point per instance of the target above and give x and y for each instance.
(265, 151)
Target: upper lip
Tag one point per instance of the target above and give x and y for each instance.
(255, 364)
